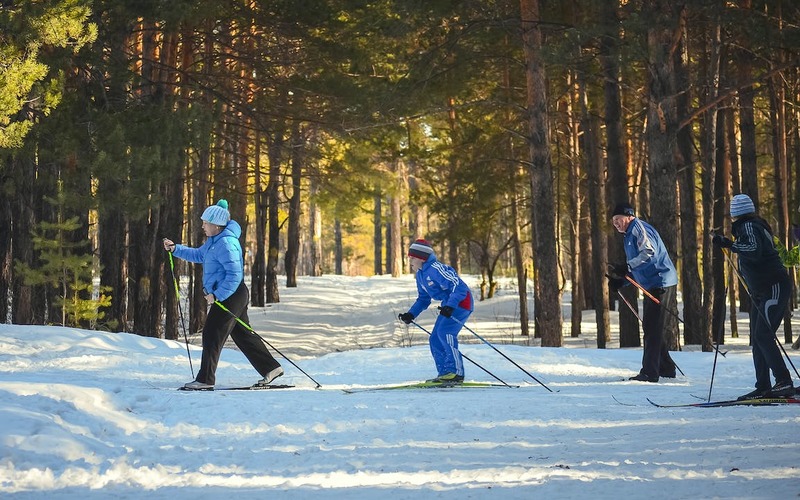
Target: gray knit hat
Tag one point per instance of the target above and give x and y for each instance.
(217, 214)
(741, 204)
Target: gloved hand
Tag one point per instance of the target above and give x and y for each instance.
(721, 241)
(406, 317)
(615, 284)
(446, 311)
(617, 271)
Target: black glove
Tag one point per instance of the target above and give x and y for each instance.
(614, 283)
(406, 317)
(617, 271)
(446, 311)
(721, 241)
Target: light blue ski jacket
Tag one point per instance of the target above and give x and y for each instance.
(647, 256)
(221, 256)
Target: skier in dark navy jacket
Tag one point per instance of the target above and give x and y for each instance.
(223, 280)
(770, 288)
(649, 265)
(437, 281)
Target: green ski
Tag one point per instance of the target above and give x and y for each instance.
(428, 385)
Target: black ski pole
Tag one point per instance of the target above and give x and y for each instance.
(627, 303)
(760, 312)
(239, 320)
(180, 310)
(663, 308)
(642, 322)
(465, 357)
(716, 346)
(499, 352)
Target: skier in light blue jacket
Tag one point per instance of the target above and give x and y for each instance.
(649, 264)
(223, 281)
(439, 281)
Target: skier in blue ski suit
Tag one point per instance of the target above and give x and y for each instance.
(438, 281)
(223, 281)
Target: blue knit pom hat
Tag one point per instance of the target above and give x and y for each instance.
(217, 214)
(741, 204)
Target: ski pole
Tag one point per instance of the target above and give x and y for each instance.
(499, 352)
(653, 298)
(239, 320)
(465, 357)
(760, 312)
(635, 313)
(663, 308)
(180, 309)
(716, 346)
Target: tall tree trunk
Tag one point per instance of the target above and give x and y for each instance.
(781, 174)
(258, 282)
(377, 233)
(596, 195)
(273, 232)
(519, 258)
(23, 220)
(544, 200)
(661, 132)
(337, 244)
(394, 247)
(113, 249)
(293, 231)
(315, 232)
(172, 213)
(572, 131)
(5, 247)
(696, 329)
(617, 189)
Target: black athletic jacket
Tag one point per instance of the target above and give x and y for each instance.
(759, 261)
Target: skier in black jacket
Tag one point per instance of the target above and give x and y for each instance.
(770, 288)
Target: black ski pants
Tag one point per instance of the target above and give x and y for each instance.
(219, 325)
(766, 313)
(656, 360)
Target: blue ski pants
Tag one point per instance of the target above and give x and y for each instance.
(444, 342)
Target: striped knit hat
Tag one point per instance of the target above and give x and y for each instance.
(217, 214)
(420, 249)
(741, 204)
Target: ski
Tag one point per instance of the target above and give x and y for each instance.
(427, 385)
(733, 402)
(255, 387)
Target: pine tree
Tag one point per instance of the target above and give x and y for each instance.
(69, 269)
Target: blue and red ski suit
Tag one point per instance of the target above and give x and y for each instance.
(439, 281)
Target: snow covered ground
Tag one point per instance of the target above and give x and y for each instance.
(94, 415)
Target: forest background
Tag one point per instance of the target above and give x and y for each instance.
(340, 130)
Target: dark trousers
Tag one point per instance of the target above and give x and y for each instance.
(219, 325)
(766, 313)
(656, 360)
